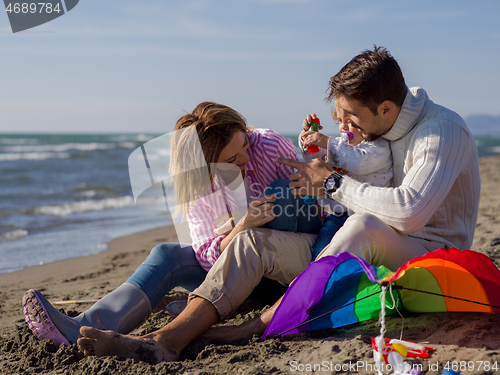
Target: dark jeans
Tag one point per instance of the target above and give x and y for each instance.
(331, 225)
(292, 214)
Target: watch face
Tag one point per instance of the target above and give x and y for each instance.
(330, 184)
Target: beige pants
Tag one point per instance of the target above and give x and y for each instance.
(282, 256)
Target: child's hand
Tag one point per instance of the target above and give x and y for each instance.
(314, 138)
(306, 124)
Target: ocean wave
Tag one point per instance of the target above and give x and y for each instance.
(19, 141)
(88, 193)
(132, 137)
(85, 206)
(159, 154)
(60, 147)
(128, 144)
(13, 235)
(82, 188)
(34, 156)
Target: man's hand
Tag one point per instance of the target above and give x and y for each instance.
(308, 180)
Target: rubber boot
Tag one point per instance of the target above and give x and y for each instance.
(121, 311)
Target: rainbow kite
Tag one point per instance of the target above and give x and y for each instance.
(343, 289)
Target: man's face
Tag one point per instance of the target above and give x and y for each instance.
(352, 112)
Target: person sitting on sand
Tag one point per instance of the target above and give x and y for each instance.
(206, 199)
(366, 161)
(433, 204)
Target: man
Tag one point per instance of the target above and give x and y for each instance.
(433, 204)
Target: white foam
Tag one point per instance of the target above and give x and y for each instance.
(159, 154)
(13, 235)
(85, 206)
(128, 144)
(143, 137)
(34, 156)
(59, 148)
(88, 193)
(132, 137)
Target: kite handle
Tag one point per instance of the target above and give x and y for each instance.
(413, 350)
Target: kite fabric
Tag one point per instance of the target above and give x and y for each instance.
(343, 289)
(468, 276)
(329, 283)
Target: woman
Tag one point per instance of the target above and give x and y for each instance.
(210, 198)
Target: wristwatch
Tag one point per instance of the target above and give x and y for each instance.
(332, 183)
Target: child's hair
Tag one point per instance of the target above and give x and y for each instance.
(371, 78)
(213, 128)
(335, 113)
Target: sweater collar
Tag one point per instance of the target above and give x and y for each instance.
(410, 112)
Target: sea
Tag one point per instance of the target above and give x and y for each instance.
(68, 195)
(65, 196)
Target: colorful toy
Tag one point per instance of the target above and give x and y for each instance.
(309, 199)
(313, 149)
(404, 348)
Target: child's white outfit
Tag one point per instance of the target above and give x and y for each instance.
(368, 162)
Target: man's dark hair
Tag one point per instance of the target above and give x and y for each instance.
(371, 78)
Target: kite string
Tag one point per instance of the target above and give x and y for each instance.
(379, 340)
(395, 306)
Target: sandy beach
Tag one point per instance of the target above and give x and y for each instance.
(468, 341)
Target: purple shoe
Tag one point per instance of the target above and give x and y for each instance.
(38, 318)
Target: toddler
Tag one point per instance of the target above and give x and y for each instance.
(364, 160)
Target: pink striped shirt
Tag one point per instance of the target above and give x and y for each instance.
(265, 146)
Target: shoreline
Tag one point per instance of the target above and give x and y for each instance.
(470, 337)
(105, 247)
(65, 278)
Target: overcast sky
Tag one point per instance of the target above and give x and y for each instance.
(125, 66)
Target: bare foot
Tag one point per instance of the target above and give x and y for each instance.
(109, 343)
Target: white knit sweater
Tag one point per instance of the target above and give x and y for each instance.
(436, 176)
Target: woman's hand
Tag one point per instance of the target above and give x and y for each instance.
(314, 138)
(260, 211)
